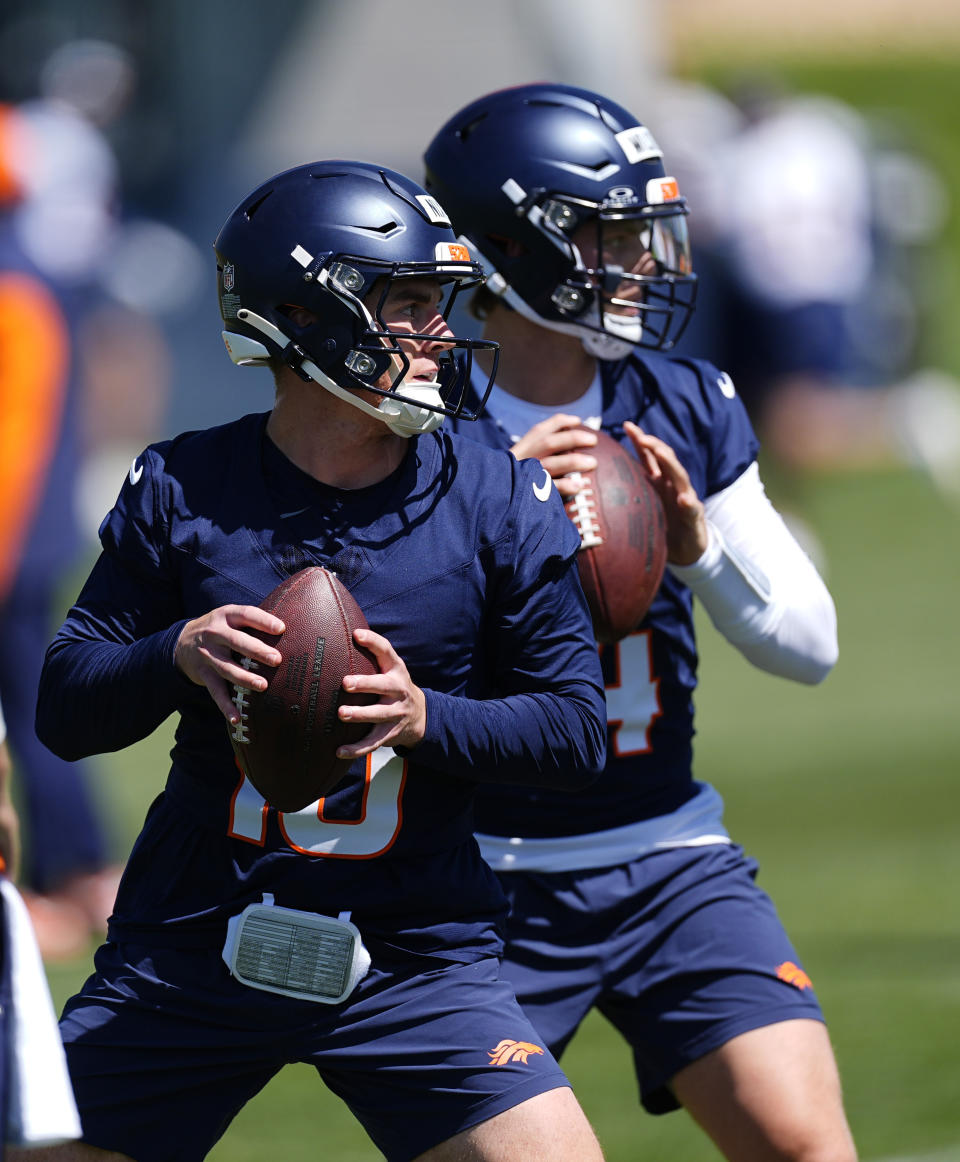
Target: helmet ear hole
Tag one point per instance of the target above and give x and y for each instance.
(300, 317)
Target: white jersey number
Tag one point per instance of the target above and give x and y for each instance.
(307, 831)
(633, 696)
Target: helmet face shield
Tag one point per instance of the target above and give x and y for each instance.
(640, 276)
(628, 275)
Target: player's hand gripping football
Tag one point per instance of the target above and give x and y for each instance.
(206, 649)
(400, 717)
(687, 534)
(561, 445)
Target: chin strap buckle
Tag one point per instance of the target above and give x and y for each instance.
(294, 356)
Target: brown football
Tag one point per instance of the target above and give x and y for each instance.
(623, 539)
(287, 737)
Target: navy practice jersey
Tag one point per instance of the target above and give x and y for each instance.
(454, 558)
(650, 675)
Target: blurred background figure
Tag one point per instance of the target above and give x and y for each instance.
(84, 377)
(36, 1098)
(813, 253)
(66, 872)
(9, 823)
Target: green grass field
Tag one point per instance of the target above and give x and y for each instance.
(847, 794)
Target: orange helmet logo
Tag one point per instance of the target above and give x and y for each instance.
(452, 252)
(508, 1051)
(661, 190)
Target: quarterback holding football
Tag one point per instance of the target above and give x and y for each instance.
(637, 902)
(274, 910)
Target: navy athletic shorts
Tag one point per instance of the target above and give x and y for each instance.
(679, 950)
(165, 1047)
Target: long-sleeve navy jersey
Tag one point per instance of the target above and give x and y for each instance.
(650, 675)
(454, 558)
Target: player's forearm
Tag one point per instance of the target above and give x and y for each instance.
(553, 740)
(761, 590)
(99, 696)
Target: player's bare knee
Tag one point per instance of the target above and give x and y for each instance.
(839, 1148)
(811, 1141)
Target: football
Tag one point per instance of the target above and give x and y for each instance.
(623, 539)
(287, 738)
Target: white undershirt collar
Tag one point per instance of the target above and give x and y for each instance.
(518, 416)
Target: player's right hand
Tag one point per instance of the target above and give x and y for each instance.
(687, 533)
(555, 442)
(399, 717)
(206, 647)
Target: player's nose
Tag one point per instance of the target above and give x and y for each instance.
(438, 331)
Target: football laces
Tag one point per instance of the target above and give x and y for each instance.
(240, 701)
(582, 509)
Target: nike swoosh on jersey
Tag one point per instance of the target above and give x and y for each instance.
(295, 512)
(542, 491)
(135, 472)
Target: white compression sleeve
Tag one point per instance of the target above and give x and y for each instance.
(760, 589)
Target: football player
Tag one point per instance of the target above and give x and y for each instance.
(635, 900)
(360, 934)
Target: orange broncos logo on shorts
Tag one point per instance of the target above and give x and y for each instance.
(792, 974)
(508, 1051)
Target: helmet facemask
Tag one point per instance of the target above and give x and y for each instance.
(599, 288)
(349, 346)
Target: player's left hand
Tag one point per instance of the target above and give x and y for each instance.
(400, 717)
(687, 534)
(562, 445)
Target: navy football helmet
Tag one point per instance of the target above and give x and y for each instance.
(522, 170)
(331, 238)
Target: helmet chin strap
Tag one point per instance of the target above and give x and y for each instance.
(403, 419)
(598, 343)
(613, 339)
(626, 334)
(407, 419)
